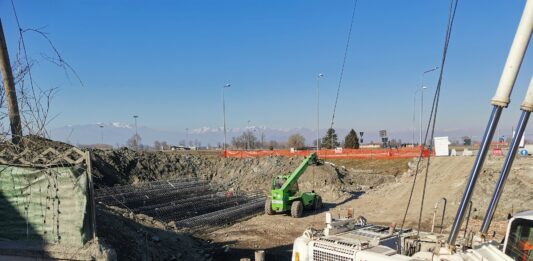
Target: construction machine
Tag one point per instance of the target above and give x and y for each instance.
(350, 239)
(285, 195)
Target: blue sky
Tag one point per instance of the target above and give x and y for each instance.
(167, 61)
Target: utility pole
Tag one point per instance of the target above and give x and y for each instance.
(224, 113)
(9, 88)
(422, 88)
(320, 75)
(248, 136)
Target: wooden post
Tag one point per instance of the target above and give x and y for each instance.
(90, 199)
(9, 88)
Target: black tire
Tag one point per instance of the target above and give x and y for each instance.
(268, 207)
(318, 202)
(297, 208)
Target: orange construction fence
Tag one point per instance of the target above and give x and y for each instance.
(332, 153)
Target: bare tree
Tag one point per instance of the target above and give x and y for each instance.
(134, 142)
(157, 145)
(274, 145)
(246, 140)
(34, 100)
(296, 141)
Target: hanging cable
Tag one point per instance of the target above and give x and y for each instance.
(436, 98)
(343, 65)
(432, 120)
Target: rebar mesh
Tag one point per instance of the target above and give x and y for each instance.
(189, 202)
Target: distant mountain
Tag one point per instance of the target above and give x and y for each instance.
(117, 134)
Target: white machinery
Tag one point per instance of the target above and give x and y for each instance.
(351, 239)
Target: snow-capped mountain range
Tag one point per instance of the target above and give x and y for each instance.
(117, 134)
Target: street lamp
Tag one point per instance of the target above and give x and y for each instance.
(186, 136)
(224, 113)
(248, 135)
(320, 75)
(136, 132)
(421, 89)
(102, 134)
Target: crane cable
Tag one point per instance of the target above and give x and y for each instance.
(432, 120)
(343, 64)
(453, 8)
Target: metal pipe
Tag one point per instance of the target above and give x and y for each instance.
(522, 123)
(478, 164)
(468, 218)
(500, 101)
(515, 57)
(527, 108)
(443, 214)
(441, 226)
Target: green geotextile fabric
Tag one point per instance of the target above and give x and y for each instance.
(48, 204)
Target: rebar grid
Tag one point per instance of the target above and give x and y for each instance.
(226, 215)
(188, 202)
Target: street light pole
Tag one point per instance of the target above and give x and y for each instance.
(102, 134)
(421, 111)
(320, 75)
(136, 132)
(186, 137)
(224, 112)
(422, 88)
(414, 115)
(248, 136)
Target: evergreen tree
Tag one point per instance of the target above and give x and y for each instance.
(351, 141)
(330, 140)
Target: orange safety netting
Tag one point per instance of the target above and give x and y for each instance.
(332, 153)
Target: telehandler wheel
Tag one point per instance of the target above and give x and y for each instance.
(318, 202)
(297, 209)
(268, 207)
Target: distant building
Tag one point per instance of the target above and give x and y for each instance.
(370, 146)
(179, 148)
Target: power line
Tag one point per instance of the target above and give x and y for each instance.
(344, 62)
(432, 118)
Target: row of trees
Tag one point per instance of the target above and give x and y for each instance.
(248, 140)
(330, 140)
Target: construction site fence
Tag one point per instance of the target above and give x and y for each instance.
(388, 153)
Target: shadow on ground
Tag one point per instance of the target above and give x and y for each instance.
(276, 253)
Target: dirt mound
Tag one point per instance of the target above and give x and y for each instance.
(447, 178)
(139, 237)
(126, 166)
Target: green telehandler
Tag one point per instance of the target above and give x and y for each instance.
(285, 195)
